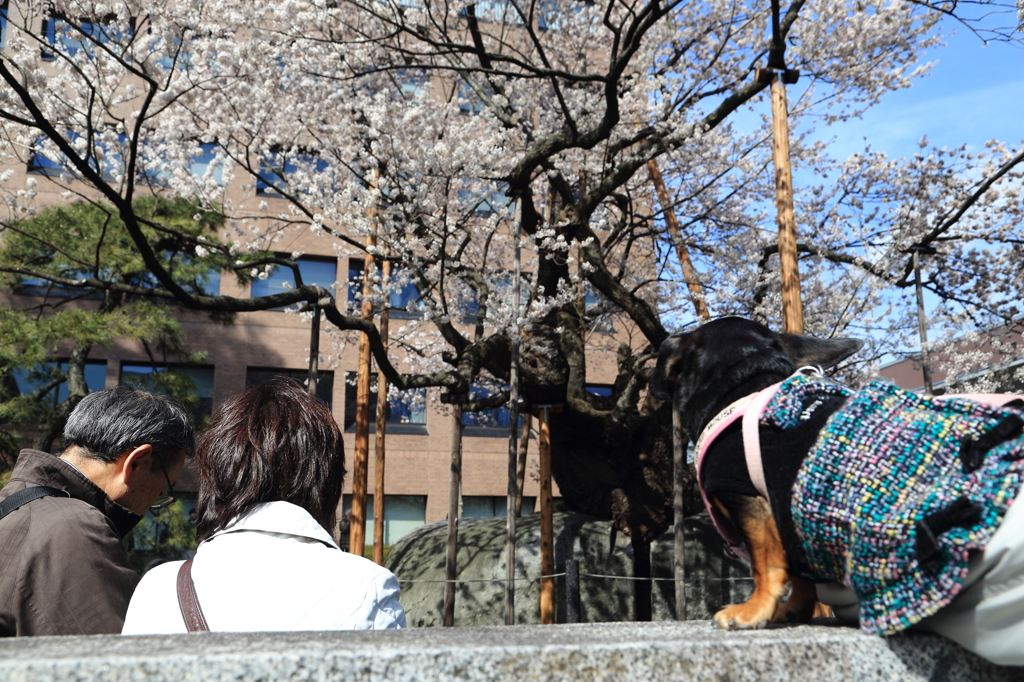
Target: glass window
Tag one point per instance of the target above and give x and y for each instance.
(49, 163)
(173, 56)
(555, 15)
(404, 407)
(404, 300)
(314, 271)
(412, 84)
(202, 162)
(274, 170)
(166, 380)
(495, 11)
(153, 169)
(33, 286)
(84, 37)
(402, 515)
(477, 506)
(3, 23)
(487, 203)
(494, 419)
(29, 380)
(469, 102)
(255, 376)
(108, 160)
(603, 390)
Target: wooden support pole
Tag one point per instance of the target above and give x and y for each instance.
(454, 486)
(361, 456)
(524, 444)
(547, 530)
(792, 312)
(682, 253)
(379, 437)
(512, 489)
(678, 475)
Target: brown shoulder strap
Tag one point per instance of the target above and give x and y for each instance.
(188, 601)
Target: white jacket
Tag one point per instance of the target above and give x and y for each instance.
(274, 568)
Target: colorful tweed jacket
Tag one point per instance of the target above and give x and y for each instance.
(898, 490)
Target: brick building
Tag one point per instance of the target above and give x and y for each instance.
(262, 344)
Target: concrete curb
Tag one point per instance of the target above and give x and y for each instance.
(602, 651)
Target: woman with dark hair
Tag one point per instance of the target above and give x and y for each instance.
(270, 467)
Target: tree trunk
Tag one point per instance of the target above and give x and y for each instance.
(77, 389)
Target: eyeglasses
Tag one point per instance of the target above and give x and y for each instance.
(167, 500)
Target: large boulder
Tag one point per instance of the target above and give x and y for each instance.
(606, 563)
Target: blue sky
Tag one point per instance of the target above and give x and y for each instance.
(973, 94)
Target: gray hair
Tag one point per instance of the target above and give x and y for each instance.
(108, 423)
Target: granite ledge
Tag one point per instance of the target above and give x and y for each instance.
(665, 652)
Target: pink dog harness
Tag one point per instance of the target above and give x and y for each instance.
(750, 409)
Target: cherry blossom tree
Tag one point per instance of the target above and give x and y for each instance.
(424, 124)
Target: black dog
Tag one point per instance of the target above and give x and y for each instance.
(708, 370)
(882, 490)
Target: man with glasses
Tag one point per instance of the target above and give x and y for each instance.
(63, 568)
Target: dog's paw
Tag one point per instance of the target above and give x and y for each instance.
(742, 617)
(798, 606)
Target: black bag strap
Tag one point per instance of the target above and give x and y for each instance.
(188, 600)
(23, 497)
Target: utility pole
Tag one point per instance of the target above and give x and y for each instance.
(926, 370)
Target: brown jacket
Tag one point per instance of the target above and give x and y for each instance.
(63, 569)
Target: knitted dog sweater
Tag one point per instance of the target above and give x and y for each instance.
(898, 490)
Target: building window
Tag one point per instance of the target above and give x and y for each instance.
(173, 56)
(35, 286)
(412, 84)
(175, 380)
(404, 302)
(255, 376)
(89, 33)
(3, 23)
(402, 515)
(492, 422)
(470, 103)
(29, 380)
(406, 410)
(487, 201)
(157, 527)
(597, 310)
(281, 279)
(478, 506)
(603, 390)
(41, 163)
(107, 159)
(204, 163)
(500, 290)
(495, 12)
(276, 169)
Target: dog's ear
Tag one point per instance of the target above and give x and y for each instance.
(806, 350)
(672, 358)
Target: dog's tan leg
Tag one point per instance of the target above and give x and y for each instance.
(801, 605)
(767, 565)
